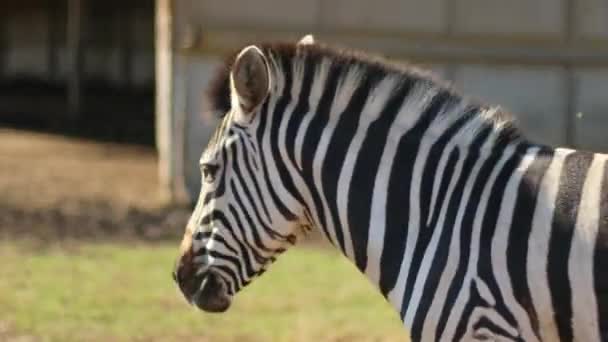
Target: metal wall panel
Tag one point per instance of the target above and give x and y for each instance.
(534, 95)
(591, 18)
(591, 107)
(423, 16)
(247, 13)
(509, 17)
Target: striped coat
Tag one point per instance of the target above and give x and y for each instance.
(469, 230)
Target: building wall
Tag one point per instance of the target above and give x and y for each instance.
(544, 60)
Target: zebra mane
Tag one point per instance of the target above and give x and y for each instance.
(368, 65)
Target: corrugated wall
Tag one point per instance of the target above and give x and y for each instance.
(545, 60)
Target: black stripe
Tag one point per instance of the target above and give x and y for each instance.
(311, 141)
(466, 231)
(440, 102)
(269, 183)
(364, 173)
(220, 239)
(475, 301)
(253, 176)
(519, 233)
(447, 234)
(488, 228)
(568, 199)
(399, 187)
(234, 279)
(248, 219)
(241, 179)
(233, 260)
(600, 259)
(339, 143)
(496, 331)
(253, 203)
(259, 258)
(300, 110)
(242, 243)
(220, 188)
(424, 237)
(219, 216)
(277, 117)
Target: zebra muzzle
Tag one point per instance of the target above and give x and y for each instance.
(205, 289)
(212, 294)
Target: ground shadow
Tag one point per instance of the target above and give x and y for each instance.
(92, 221)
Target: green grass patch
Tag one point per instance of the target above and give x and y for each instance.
(121, 292)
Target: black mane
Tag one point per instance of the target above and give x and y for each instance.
(218, 92)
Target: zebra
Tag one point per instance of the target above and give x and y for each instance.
(470, 230)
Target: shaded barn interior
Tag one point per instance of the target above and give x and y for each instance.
(79, 67)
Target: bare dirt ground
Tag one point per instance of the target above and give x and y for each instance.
(52, 187)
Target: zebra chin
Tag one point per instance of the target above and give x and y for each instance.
(211, 295)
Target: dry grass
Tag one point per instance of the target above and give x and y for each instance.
(55, 188)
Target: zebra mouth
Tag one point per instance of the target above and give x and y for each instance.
(212, 294)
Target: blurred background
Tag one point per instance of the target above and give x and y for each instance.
(101, 128)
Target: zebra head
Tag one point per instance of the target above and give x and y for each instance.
(244, 216)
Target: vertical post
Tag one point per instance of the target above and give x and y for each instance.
(169, 137)
(54, 36)
(4, 12)
(74, 47)
(126, 41)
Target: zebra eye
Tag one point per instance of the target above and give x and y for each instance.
(209, 171)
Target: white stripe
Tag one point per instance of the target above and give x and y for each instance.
(343, 95)
(473, 334)
(316, 91)
(538, 248)
(580, 264)
(438, 126)
(431, 250)
(484, 291)
(372, 108)
(296, 88)
(396, 295)
(408, 114)
(265, 152)
(446, 120)
(453, 260)
(499, 246)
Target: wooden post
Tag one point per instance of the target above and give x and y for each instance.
(169, 136)
(74, 47)
(126, 42)
(54, 36)
(3, 38)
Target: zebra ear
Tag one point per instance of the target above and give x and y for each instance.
(250, 78)
(308, 39)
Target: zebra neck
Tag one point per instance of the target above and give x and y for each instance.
(381, 197)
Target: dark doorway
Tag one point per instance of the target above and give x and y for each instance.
(76, 67)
